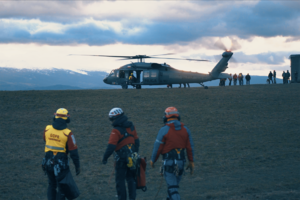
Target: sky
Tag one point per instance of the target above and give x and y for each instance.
(57, 34)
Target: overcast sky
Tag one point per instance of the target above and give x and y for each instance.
(43, 34)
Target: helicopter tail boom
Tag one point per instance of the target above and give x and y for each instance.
(221, 66)
(223, 75)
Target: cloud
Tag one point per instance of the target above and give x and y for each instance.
(64, 11)
(146, 22)
(270, 58)
(88, 31)
(267, 18)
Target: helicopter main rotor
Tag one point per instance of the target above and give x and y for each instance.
(141, 57)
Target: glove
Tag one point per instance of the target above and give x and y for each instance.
(191, 167)
(104, 162)
(152, 164)
(77, 171)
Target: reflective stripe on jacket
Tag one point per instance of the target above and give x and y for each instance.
(56, 140)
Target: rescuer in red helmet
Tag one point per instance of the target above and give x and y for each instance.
(125, 142)
(172, 141)
(59, 142)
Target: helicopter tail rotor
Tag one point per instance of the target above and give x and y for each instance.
(234, 45)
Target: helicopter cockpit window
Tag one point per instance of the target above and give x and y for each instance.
(112, 73)
(153, 74)
(146, 74)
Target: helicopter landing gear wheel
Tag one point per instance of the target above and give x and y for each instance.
(124, 86)
(138, 87)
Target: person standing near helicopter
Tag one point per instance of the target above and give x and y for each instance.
(235, 79)
(230, 79)
(131, 78)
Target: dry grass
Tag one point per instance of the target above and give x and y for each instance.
(246, 139)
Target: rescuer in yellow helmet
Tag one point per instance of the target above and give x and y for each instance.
(59, 141)
(131, 76)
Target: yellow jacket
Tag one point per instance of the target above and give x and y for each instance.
(56, 140)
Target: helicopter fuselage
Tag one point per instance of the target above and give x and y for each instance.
(162, 74)
(153, 74)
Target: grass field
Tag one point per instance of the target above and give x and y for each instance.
(247, 140)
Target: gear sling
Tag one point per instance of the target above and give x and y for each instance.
(134, 161)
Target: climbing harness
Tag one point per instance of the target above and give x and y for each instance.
(175, 154)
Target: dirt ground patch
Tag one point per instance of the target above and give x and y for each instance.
(246, 139)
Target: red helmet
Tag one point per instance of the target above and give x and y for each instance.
(171, 112)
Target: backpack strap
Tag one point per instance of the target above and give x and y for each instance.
(123, 132)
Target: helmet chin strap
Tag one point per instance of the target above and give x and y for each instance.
(68, 120)
(170, 119)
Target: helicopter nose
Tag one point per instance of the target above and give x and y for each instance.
(105, 80)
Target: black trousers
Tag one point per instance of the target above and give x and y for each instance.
(270, 78)
(124, 173)
(52, 194)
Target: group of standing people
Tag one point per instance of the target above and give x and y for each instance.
(236, 78)
(286, 77)
(172, 141)
(271, 76)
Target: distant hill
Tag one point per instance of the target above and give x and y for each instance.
(60, 79)
(54, 79)
(58, 87)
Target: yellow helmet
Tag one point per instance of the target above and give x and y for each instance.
(62, 113)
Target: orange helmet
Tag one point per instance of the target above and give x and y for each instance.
(171, 112)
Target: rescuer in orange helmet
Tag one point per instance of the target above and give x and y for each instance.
(59, 142)
(172, 141)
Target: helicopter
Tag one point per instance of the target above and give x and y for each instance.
(141, 73)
